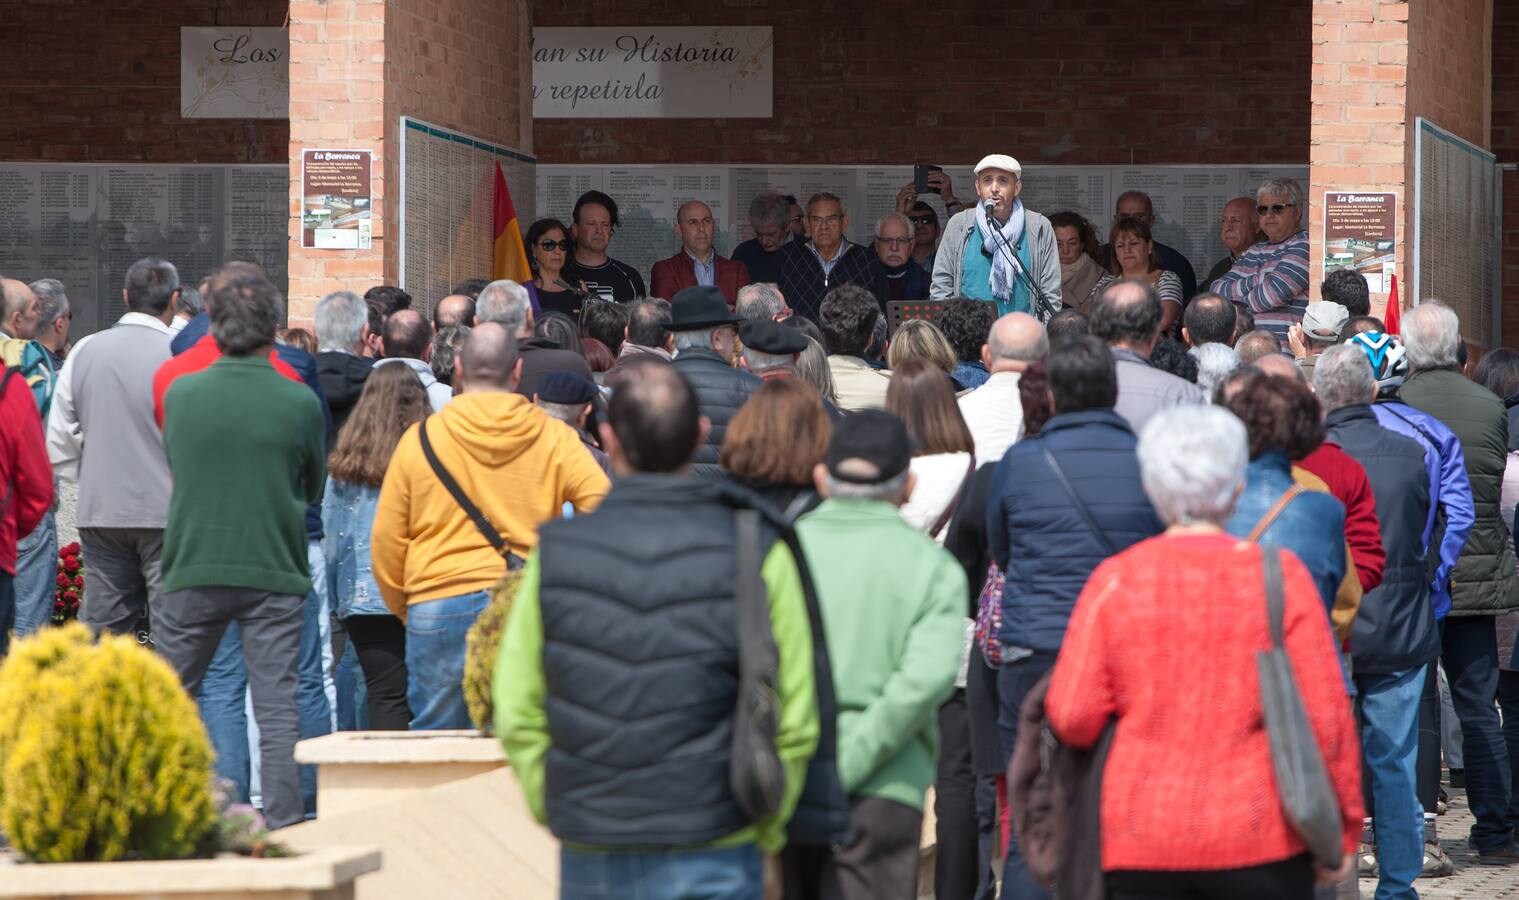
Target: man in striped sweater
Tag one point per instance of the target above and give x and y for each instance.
(1271, 278)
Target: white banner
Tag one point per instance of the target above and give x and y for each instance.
(653, 72)
(234, 73)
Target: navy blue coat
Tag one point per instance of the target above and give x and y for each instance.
(1040, 540)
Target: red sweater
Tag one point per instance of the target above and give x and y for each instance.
(26, 479)
(1165, 637)
(1347, 482)
(198, 358)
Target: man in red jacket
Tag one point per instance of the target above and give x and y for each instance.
(26, 486)
(697, 263)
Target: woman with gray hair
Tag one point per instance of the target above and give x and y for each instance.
(1271, 278)
(1163, 643)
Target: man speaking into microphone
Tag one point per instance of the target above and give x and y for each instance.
(998, 251)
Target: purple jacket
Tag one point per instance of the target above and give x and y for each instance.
(1449, 487)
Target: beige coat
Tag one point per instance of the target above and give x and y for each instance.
(858, 385)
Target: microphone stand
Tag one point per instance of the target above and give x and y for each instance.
(1043, 309)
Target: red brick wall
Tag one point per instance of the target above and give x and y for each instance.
(99, 81)
(1165, 81)
(1505, 137)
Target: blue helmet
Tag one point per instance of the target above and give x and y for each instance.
(1389, 362)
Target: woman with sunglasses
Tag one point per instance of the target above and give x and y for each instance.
(1271, 278)
(548, 247)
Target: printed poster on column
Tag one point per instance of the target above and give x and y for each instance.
(1360, 233)
(335, 204)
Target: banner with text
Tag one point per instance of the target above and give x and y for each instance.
(654, 72)
(234, 73)
(1360, 233)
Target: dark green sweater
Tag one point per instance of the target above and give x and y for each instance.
(246, 449)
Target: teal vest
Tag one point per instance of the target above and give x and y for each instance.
(976, 273)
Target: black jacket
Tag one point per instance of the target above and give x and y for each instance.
(802, 280)
(342, 376)
(720, 391)
(1395, 628)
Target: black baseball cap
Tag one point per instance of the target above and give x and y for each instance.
(876, 438)
(771, 337)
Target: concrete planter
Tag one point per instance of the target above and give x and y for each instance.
(326, 874)
(360, 769)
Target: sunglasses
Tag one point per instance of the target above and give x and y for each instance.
(920, 221)
(1277, 208)
(555, 245)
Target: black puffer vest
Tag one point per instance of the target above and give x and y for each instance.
(641, 660)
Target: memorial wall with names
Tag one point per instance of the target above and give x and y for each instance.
(1187, 199)
(85, 224)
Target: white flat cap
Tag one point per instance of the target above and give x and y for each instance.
(999, 161)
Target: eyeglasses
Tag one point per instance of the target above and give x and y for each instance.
(894, 242)
(825, 220)
(794, 219)
(551, 246)
(920, 221)
(1277, 208)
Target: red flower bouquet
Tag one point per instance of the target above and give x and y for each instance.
(70, 585)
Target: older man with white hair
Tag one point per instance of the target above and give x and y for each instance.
(998, 251)
(1271, 278)
(507, 303)
(895, 275)
(1483, 584)
(762, 300)
(994, 411)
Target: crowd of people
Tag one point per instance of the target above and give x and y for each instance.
(781, 569)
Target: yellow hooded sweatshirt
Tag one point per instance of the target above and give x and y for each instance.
(518, 466)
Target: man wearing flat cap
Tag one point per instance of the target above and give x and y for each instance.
(998, 251)
(706, 348)
(1322, 323)
(770, 348)
(571, 399)
(881, 583)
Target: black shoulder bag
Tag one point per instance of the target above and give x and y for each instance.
(755, 773)
(475, 514)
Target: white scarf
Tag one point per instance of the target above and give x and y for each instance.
(1012, 232)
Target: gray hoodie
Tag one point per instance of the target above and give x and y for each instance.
(438, 393)
(1043, 257)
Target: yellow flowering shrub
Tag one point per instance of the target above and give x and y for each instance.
(481, 646)
(102, 753)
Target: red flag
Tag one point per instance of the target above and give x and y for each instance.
(508, 253)
(1394, 311)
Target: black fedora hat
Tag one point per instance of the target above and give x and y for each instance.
(700, 307)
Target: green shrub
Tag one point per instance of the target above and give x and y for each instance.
(481, 647)
(102, 753)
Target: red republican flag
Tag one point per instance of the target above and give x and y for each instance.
(508, 253)
(1394, 311)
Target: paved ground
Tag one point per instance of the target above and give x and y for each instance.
(1472, 880)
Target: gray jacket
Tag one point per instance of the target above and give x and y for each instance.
(1044, 259)
(1144, 390)
(101, 429)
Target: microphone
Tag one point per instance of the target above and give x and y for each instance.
(569, 287)
(1040, 304)
(990, 206)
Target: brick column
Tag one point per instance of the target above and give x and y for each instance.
(337, 90)
(1377, 66)
(1361, 134)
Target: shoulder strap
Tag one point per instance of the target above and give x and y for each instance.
(949, 511)
(481, 520)
(1271, 561)
(1271, 514)
(1081, 507)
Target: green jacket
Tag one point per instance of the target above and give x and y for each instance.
(893, 605)
(518, 692)
(247, 450)
(1483, 581)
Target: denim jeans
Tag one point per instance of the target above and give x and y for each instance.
(1508, 700)
(312, 698)
(1388, 708)
(223, 709)
(733, 873)
(1015, 679)
(1470, 653)
(435, 632)
(36, 575)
